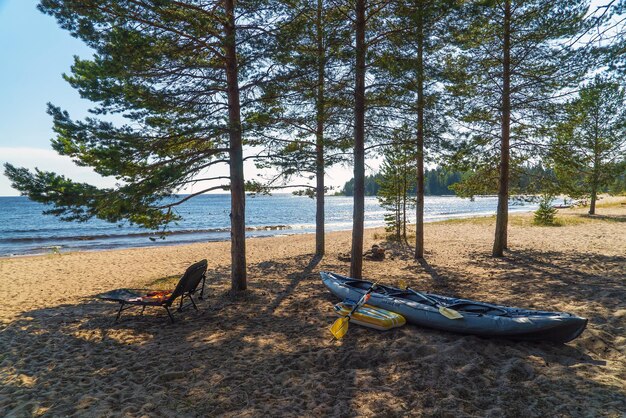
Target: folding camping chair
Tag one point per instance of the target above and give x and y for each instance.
(187, 286)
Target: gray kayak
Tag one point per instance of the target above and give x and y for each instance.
(479, 318)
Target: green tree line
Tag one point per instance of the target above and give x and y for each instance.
(437, 183)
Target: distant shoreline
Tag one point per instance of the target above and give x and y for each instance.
(25, 231)
(164, 243)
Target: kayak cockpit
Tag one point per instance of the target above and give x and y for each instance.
(479, 308)
(461, 306)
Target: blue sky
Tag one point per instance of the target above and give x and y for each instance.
(34, 53)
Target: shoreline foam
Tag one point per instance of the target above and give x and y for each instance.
(25, 231)
(253, 232)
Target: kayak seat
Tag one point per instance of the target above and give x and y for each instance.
(478, 308)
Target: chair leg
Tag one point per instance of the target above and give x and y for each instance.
(119, 313)
(193, 303)
(182, 299)
(202, 291)
(169, 313)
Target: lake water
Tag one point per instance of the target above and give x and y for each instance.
(24, 230)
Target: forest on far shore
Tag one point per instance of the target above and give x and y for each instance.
(437, 182)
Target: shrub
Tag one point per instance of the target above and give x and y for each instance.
(545, 214)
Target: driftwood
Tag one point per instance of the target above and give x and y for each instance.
(376, 253)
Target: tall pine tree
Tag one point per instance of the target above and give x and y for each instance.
(512, 64)
(307, 99)
(590, 143)
(370, 23)
(396, 174)
(413, 64)
(176, 73)
(358, 216)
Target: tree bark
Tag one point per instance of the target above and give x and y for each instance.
(237, 191)
(405, 187)
(319, 136)
(398, 216)
(398, 199)
(502, 217)
(594, 197)
(356, 260)
(596, 165)
(419, 204)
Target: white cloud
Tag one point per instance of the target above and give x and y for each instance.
(49, 160)
(46, 160)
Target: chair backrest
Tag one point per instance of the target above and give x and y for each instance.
(190, 280)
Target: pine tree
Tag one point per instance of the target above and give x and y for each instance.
(544, 215)
(590, 142)
(413, 66)
(396, 173)
(389, 196)
(618, 187)
(370, 25)
(175, 74)
(607, 36)
(309, 112)
(512, 64)
(358, 217)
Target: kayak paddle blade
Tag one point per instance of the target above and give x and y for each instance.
(340, 327)
(449, 313)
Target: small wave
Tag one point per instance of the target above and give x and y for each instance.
(148, 234)
(301, 226)
(450, 215)
(267, 228)
(106, 236)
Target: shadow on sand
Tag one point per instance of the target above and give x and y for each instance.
(610, 218)
(268, 352)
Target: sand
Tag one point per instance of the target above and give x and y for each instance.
(268, 352)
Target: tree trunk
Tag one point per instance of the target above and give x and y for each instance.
(397, 231)
(594, 189)
(319, 197)
(404, 197)
(398, 189)
(594, 196)
(596, 166)
(419, 203)
(502, 218)
(237, 192)
(319, 136)
(356, 261)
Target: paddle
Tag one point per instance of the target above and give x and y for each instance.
(340, 327)
(447, 312)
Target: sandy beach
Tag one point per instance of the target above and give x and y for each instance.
(269, 351)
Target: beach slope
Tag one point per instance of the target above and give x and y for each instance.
(269, 351)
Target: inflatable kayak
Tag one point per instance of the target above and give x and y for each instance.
(478, 318)
(371, 317)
